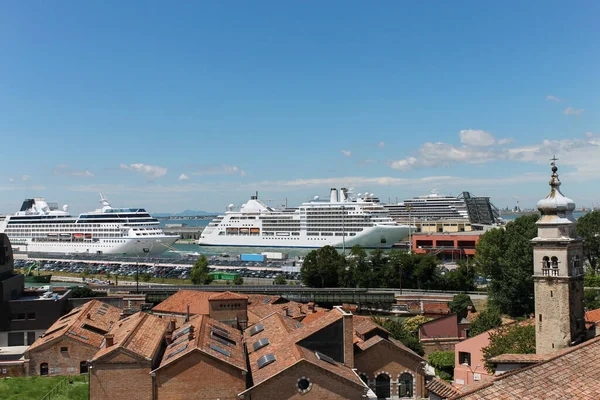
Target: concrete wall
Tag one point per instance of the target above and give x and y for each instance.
(228, 311)
(463, 375)
(200, 377)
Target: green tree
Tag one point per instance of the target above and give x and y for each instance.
(199, 272)
(517, 338)
(322, 267)
(280, 280)
(591, 299)
(238, 280)
(82, 291)
(486, 320)
(460, 303)
(588, 227)
(412, 324)
(400, 333)
(505, 257)
(460, 279)
(443, 362)
(145, 277)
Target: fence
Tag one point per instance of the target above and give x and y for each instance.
(62, 385)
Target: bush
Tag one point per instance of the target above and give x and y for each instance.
(82, 291)
(238, 280)
(280, 280)
(443, 362)
(460, 303)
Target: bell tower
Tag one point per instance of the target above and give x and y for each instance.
(557, 272)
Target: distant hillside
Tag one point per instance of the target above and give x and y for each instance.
(186, 213)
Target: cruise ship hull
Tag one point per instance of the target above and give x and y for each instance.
(381, 237)
(129, 246)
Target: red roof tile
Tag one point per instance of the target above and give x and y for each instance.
(228, 296)
(519, 358)
(140, 334)
(364, 325)
(441, 388)
(208, 336)
(570, 373)
(592, 316)
(177, 303)
(284, 335)
(86, 324)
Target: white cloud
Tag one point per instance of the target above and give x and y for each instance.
(222, 169)
(151, 171)
(11, 180)
(476, 137)
(25, 177)
(404, 165)
(63, 169)
(589, 134)
(347, 153)
(184, 177)
(572, 111)
(505, 141)
(380, 144)
(553, 98)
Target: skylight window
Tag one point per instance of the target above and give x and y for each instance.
(220, 350)
(179, 350)
(266, 360)
(260, 343)
(181, 332)
(325, 358)
(256, 328)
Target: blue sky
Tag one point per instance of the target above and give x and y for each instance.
(196, 105)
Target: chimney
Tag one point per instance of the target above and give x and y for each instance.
(172, 324)
(333, 196)
(110, 339)
(191, 334)
(311, 306)
(343, 195)
(89, 316)
(168, 337)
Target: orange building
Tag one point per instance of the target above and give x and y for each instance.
(450, 245)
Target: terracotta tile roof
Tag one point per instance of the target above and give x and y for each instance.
(519, 358)
(260, 299)
(209, 337)
(177, 303)
(592, 316)
(364, 325)
(283, 335)
(290, 309)
(86, 324)
(391, 341)
(441, 388)
(228, 296)
(140, 334)
(571, 373)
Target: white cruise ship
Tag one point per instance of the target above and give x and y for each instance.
(40, 227)
(341, 221)
(429, 208)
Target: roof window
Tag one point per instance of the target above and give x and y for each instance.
(256, 329)
(260, 343)
(220, 350)
(266, 360)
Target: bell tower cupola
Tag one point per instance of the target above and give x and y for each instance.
(557, 272)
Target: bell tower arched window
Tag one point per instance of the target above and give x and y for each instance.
(546, 266)
(554, 262)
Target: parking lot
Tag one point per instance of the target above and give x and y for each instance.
(251, 272)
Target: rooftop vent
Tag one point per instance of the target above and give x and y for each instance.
(325, 358)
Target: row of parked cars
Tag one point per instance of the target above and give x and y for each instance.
(110, 269)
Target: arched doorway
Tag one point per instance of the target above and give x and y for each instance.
(44, 369)
(405, 385)
(83, 367)
(382, 386)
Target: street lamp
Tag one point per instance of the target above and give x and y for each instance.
(472, 370)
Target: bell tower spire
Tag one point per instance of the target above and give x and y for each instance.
(557, 272)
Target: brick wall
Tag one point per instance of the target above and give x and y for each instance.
(386, 358)
(324, 386)
(348, 340)
(198, 376)
(121, 380)
(60, 362)
(229, 310)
